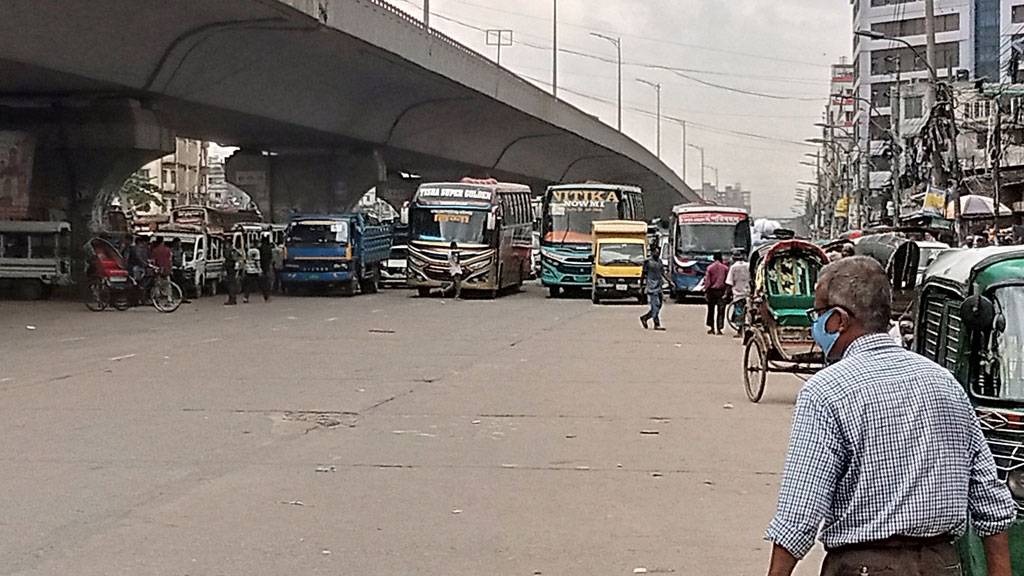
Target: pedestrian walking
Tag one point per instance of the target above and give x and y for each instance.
(231, 263)
(178, 269)
(278, 266)
(266, 267)
(737, 282)
(714, 293)
(653, 277)
(455, 269)
(252, 283)
(887, 463)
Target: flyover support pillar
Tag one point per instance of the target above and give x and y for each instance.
(76, 156)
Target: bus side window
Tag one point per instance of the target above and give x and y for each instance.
(15, 245)
(43, 246)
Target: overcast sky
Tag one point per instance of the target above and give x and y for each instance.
(779, 48)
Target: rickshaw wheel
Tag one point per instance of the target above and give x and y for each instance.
(755, 369)
(97, 296)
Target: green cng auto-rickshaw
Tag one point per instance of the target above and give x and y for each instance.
(970, 319)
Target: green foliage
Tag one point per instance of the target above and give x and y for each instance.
(139, 192)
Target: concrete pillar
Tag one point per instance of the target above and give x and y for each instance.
(82, 154)
(397, 190)
(291, 182)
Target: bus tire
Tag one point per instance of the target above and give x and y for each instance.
(553, 291)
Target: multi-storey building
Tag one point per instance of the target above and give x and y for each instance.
(181, 176)
(967, 45)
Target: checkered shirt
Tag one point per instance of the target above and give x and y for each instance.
(885, 443)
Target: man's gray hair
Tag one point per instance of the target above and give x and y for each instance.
(860, 285)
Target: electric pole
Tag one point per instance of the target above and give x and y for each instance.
(426, 14)
(996, 154)
(897, 116)
(939, 178)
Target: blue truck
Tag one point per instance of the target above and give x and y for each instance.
(343, 251)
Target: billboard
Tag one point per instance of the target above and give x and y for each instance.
(17, 150)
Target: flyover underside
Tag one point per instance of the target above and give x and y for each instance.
(260, 74)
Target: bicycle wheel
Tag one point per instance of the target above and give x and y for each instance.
(97, 295)
(166, 296)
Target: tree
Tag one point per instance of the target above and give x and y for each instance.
(138, 192)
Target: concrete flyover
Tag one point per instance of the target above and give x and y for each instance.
(340, 94)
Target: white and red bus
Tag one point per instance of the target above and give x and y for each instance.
(697, 233)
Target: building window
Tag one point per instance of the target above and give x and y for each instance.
(947, 55)
(913, 107)
(916, 26)
(876, 3)
(982, 142)
(1017, 14)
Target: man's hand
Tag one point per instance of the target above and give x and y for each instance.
(997, 554)
(783, 562)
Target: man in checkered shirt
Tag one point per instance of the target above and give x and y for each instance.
(885, 456)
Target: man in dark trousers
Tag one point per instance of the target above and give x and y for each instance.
(178, 266)
(887, 464)
(714, 292)
(652, 278)
(231, 275)
(266, 267)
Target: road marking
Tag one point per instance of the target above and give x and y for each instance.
(331, 319)
(119, 358)
(76, 339)
(211, 340)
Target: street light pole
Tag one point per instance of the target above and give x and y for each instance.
(618, 47)
(701, 150)
(426, 14)
(657, 89)
(554, 52)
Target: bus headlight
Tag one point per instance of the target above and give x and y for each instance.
(1015, 481)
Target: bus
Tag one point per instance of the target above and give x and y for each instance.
(697, 232)
(490, 221)
(568, 211)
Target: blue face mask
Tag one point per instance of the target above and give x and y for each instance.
(822, 336)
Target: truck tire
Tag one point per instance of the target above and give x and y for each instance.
(30, 289)
(371, 284)
(423, 292)
(594, 297)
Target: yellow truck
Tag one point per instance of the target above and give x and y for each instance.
(620, 249)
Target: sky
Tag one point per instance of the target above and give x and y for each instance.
(780, 50)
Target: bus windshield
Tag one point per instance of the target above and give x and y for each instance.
(1010, 343)
(318, 232)
(571, 224)
(705, 238)
(448, 225)
(621, 254)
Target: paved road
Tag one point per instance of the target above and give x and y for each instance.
(382, 434)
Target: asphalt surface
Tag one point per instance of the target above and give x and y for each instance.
(382, 434)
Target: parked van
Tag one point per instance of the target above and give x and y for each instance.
(34, 257)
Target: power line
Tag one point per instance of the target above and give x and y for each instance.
(650, 66)
(649, 39)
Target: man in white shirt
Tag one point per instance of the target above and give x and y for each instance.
(455, 269)
(738, 280)
(252, 274)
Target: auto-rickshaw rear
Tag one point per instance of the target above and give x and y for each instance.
(970, 319)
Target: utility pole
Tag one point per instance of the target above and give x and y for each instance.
(897, 116)
(554, 52)
(426, 14)
(997, 156)
(939, 178)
